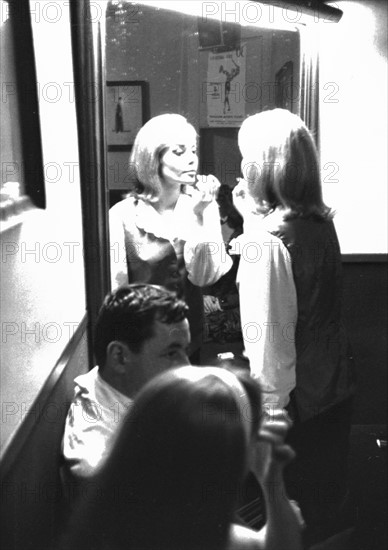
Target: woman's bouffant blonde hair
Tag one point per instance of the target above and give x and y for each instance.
(151, 142)
(281, 164)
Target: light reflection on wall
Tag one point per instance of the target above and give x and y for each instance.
(353, 120)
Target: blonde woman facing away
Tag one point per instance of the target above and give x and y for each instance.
(167, 231)
(289, 283)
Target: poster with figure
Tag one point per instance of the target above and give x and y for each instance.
(124, 113)
(225, 85)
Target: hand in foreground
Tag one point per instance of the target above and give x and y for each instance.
(269, 452)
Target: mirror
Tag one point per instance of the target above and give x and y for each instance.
(214, 66)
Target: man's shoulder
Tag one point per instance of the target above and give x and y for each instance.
(95, 394)
(85, 379)
(94, 416)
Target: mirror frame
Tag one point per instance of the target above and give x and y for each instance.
(89, 67)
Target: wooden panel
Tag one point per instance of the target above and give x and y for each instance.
(365, 315)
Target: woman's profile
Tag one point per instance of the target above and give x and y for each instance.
(167, 231)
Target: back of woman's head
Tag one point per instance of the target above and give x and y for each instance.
(150, 143)
(173, 477)
(281, 164)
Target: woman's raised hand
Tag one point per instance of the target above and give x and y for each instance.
(204, 193)
(208, 186)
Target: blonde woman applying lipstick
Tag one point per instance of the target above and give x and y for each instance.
(167, 231)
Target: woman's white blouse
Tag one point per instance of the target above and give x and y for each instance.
(268, 309)
(201, 244)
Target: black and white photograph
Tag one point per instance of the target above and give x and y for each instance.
(194, 247)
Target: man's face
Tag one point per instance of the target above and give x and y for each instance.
(167, 348)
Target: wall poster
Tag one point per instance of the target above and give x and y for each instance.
(225, 85)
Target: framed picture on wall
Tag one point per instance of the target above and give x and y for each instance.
(22, 185)
(125, 113)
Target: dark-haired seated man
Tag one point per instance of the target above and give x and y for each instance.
(141, 331)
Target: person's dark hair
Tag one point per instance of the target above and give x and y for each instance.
(128, 313)
(280, 154)
(227, 208)
(174, 473)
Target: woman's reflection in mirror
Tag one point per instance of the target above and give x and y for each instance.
(167, 230)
